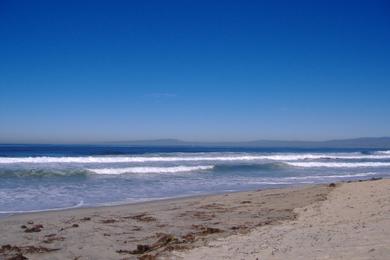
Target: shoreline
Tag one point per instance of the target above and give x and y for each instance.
(153, 201)
(146, 230)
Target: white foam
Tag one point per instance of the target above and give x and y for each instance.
(81, 203)
(123, 159)
(184, 158)
(339, 164)
(298, 157)
(383, 152)
(173, 169)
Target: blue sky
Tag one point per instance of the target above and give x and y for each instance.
(85, 71)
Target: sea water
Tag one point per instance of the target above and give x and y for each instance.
(50, 177)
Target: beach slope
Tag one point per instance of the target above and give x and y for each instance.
(353, 223)
(347, 220)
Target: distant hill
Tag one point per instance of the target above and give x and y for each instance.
(367, 142)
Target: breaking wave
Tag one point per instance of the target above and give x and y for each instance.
(174, 169)
(383, 152)
(225, 157)
(339, 164)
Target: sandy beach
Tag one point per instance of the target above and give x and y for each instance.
(343, 221)
(194, 130)
(353, 223)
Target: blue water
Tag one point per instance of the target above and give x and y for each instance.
(47, 177)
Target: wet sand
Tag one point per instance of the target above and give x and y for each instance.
(171, 229)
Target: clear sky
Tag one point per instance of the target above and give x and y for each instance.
(84, 71)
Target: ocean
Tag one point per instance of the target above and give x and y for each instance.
(50, 177)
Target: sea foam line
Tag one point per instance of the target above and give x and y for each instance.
(141, 159)
(383, 152)
(339, 165)
(81, 203)
(173, 169)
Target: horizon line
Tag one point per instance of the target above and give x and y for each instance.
(192, 142)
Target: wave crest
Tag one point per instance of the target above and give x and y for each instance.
(383, 152)
(339, 164)
(173, 169)
(224, 157)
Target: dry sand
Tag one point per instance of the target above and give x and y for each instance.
(293, 223)
(353, 223)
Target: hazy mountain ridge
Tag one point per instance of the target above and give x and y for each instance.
(364, 142)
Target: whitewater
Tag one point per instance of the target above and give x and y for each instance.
(38, 178)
